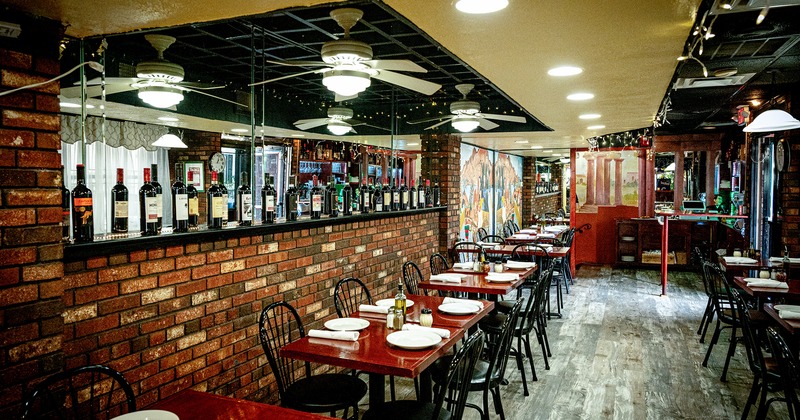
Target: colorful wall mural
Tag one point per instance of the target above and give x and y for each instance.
(606, 179)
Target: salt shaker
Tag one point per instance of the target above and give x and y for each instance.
(426, 317)
(390, 319)
(763, 273)
(399, 320)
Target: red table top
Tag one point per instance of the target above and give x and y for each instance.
(477, 283)
(556, 251)
(371, 352)
(190, 404)
(440, 319)
(760, 292)
(790, 325)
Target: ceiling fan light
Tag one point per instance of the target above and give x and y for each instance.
(465, 124)
(346, 82)
(339, 128)
(170, 141)
(160, 96)
(481, 6)
(772, 120)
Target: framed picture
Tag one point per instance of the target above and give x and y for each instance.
(196, 169)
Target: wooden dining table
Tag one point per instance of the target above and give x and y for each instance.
(196, 405)
(372, 353)
(506, 250)
(476, 283)
(761, 293)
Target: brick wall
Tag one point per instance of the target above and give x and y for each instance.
(30, 212)
(528, 184)
(187, 316)
(441, 160)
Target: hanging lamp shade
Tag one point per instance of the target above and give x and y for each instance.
(170, 141)
(772, 120)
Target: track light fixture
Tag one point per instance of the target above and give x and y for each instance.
(763, 14)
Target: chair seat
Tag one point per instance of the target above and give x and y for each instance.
(403, 410)
(325, 393)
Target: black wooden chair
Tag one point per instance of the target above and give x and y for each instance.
(482, 233)
(348, 294)
(280, 325)
(451, 395)
(467, 252)
(438, 264)
(411, 277)
(491, 255)
(507, 230)
(89, 392)
(789, 369)
(708, 313)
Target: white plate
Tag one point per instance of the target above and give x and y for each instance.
(501, 278)
(346, 324)
(148, 415)
(413, 340)
(790, 308)
(390, 302)
(459, 308)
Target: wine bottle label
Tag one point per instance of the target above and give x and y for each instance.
(421, 198)
(223, 212)
(366, 203)
(151, 207)
(194, 206)
(316, 202)
(160, 205)
(405, 197)
(247, 207)
(378, 207)
(181, 207)
(269, 203)
(120, 209)
(83, 209)
(387, 198)
(218, 207)
(396, 198)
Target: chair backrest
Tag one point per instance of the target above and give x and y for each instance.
(533, 253)
(482, 233)
(411, 277)
(514, 226)
(702, 260)
(550, 216)
(754, 354)
(89, 392)
(507, 230)
(500, 347)
(467, 251)
(455, 389)
(533, 306)
(438, 264)
(494, 238)
(561, 213)
(349, 293)
(720, 292)
(278, 326)
(789, 370)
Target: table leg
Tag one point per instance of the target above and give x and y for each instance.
(377, 389)
(425, 387)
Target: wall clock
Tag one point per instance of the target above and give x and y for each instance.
(217, 162)
(782, 156)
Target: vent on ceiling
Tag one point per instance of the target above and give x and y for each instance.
(766, 48)
(721, 7)
(710, 82)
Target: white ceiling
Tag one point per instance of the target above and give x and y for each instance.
(627, 48)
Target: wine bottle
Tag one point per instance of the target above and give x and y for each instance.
(436, 194)
(421, 192)
(364, 198)
(395, 195)
(148, 206)
(66, 212)
(159, 193)
(347, 200)
(216, 204)
(317, 199)
(332, 198)
(387, 195)
(224, 190)
(377, 199)
(244, 201)
(267, 201)
(180, 202)
(400, 301)
(403, 194)
(193, 200)
(119, 204)
(290, 202)
(412, 196)
(82, 212)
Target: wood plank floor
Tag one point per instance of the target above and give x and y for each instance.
(622, 351)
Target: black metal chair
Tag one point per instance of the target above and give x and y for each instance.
(491, 255)
(789, 369)
(438, 264)
(411, 277)
(451, 397)
(348, 294)
(467, 252)
(89, 392)
(708, 313)
(482, 233)
(507, 230)
(725, 311)
(280, 325)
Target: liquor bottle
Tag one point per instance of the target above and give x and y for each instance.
(216, 204)
(377, 199)
(148, 206)
(412, 196)
(317, 199)
(436, 193)
(244, 202)
(193, 200)
(180, 202)
(159, 193)
(332, 199)
(403, 194)
(290, 202)
(267, 201)
(347, 200)
(82, 213)
(400, 301)
(119, 204)
(421, 193)
(387, 195)
(66, 212)
(428, 194)
(224, 190)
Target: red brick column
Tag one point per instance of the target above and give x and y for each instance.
(441, 160)
(528, 189)
(31, 269)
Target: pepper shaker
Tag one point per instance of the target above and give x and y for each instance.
(426, 317)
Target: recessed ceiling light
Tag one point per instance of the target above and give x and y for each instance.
(239, 130)
(171, 119)
(581, 96)
(564, 71)
(536, 147)
(481, 6)
(74, 105)
(596, 127)
(547, 151)
(521, 141)
(709, 127)
(556, 154)
(589, 116)
(412, 144)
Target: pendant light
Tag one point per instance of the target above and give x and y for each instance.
(170, 141)
(772, 120)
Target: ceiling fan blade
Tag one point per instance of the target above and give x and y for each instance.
(213, 96)
(201, 86)
(408, 82)
(112, 81)
(94, 91)
(511, 118)
(399, 65)
(287, 77)
(424, 120)
(310, 123)
(300, 63)
(486, 124)
(440, 123)
(340, 98)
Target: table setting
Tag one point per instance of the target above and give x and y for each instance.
(765, 283)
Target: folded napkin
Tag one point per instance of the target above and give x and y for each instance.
(547, 235)
(773, 284)
(518, 236)
(557, 228)
(780, 259)
(789, 315)
(488, 243)
(528, 231)
(739, 260)
(502, 276)
(441, 332)
(520, 264)
(467, 301)
(373, 308)
(447, 278)
(790, 308)
(462, 265)
(334, 335)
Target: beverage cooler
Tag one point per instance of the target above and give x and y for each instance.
(766, 217)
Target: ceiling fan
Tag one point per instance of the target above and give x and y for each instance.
(339, 121)
(467, 116)
(348, 66)
(159, 82)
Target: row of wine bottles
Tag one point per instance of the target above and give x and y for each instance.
(78, 203)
